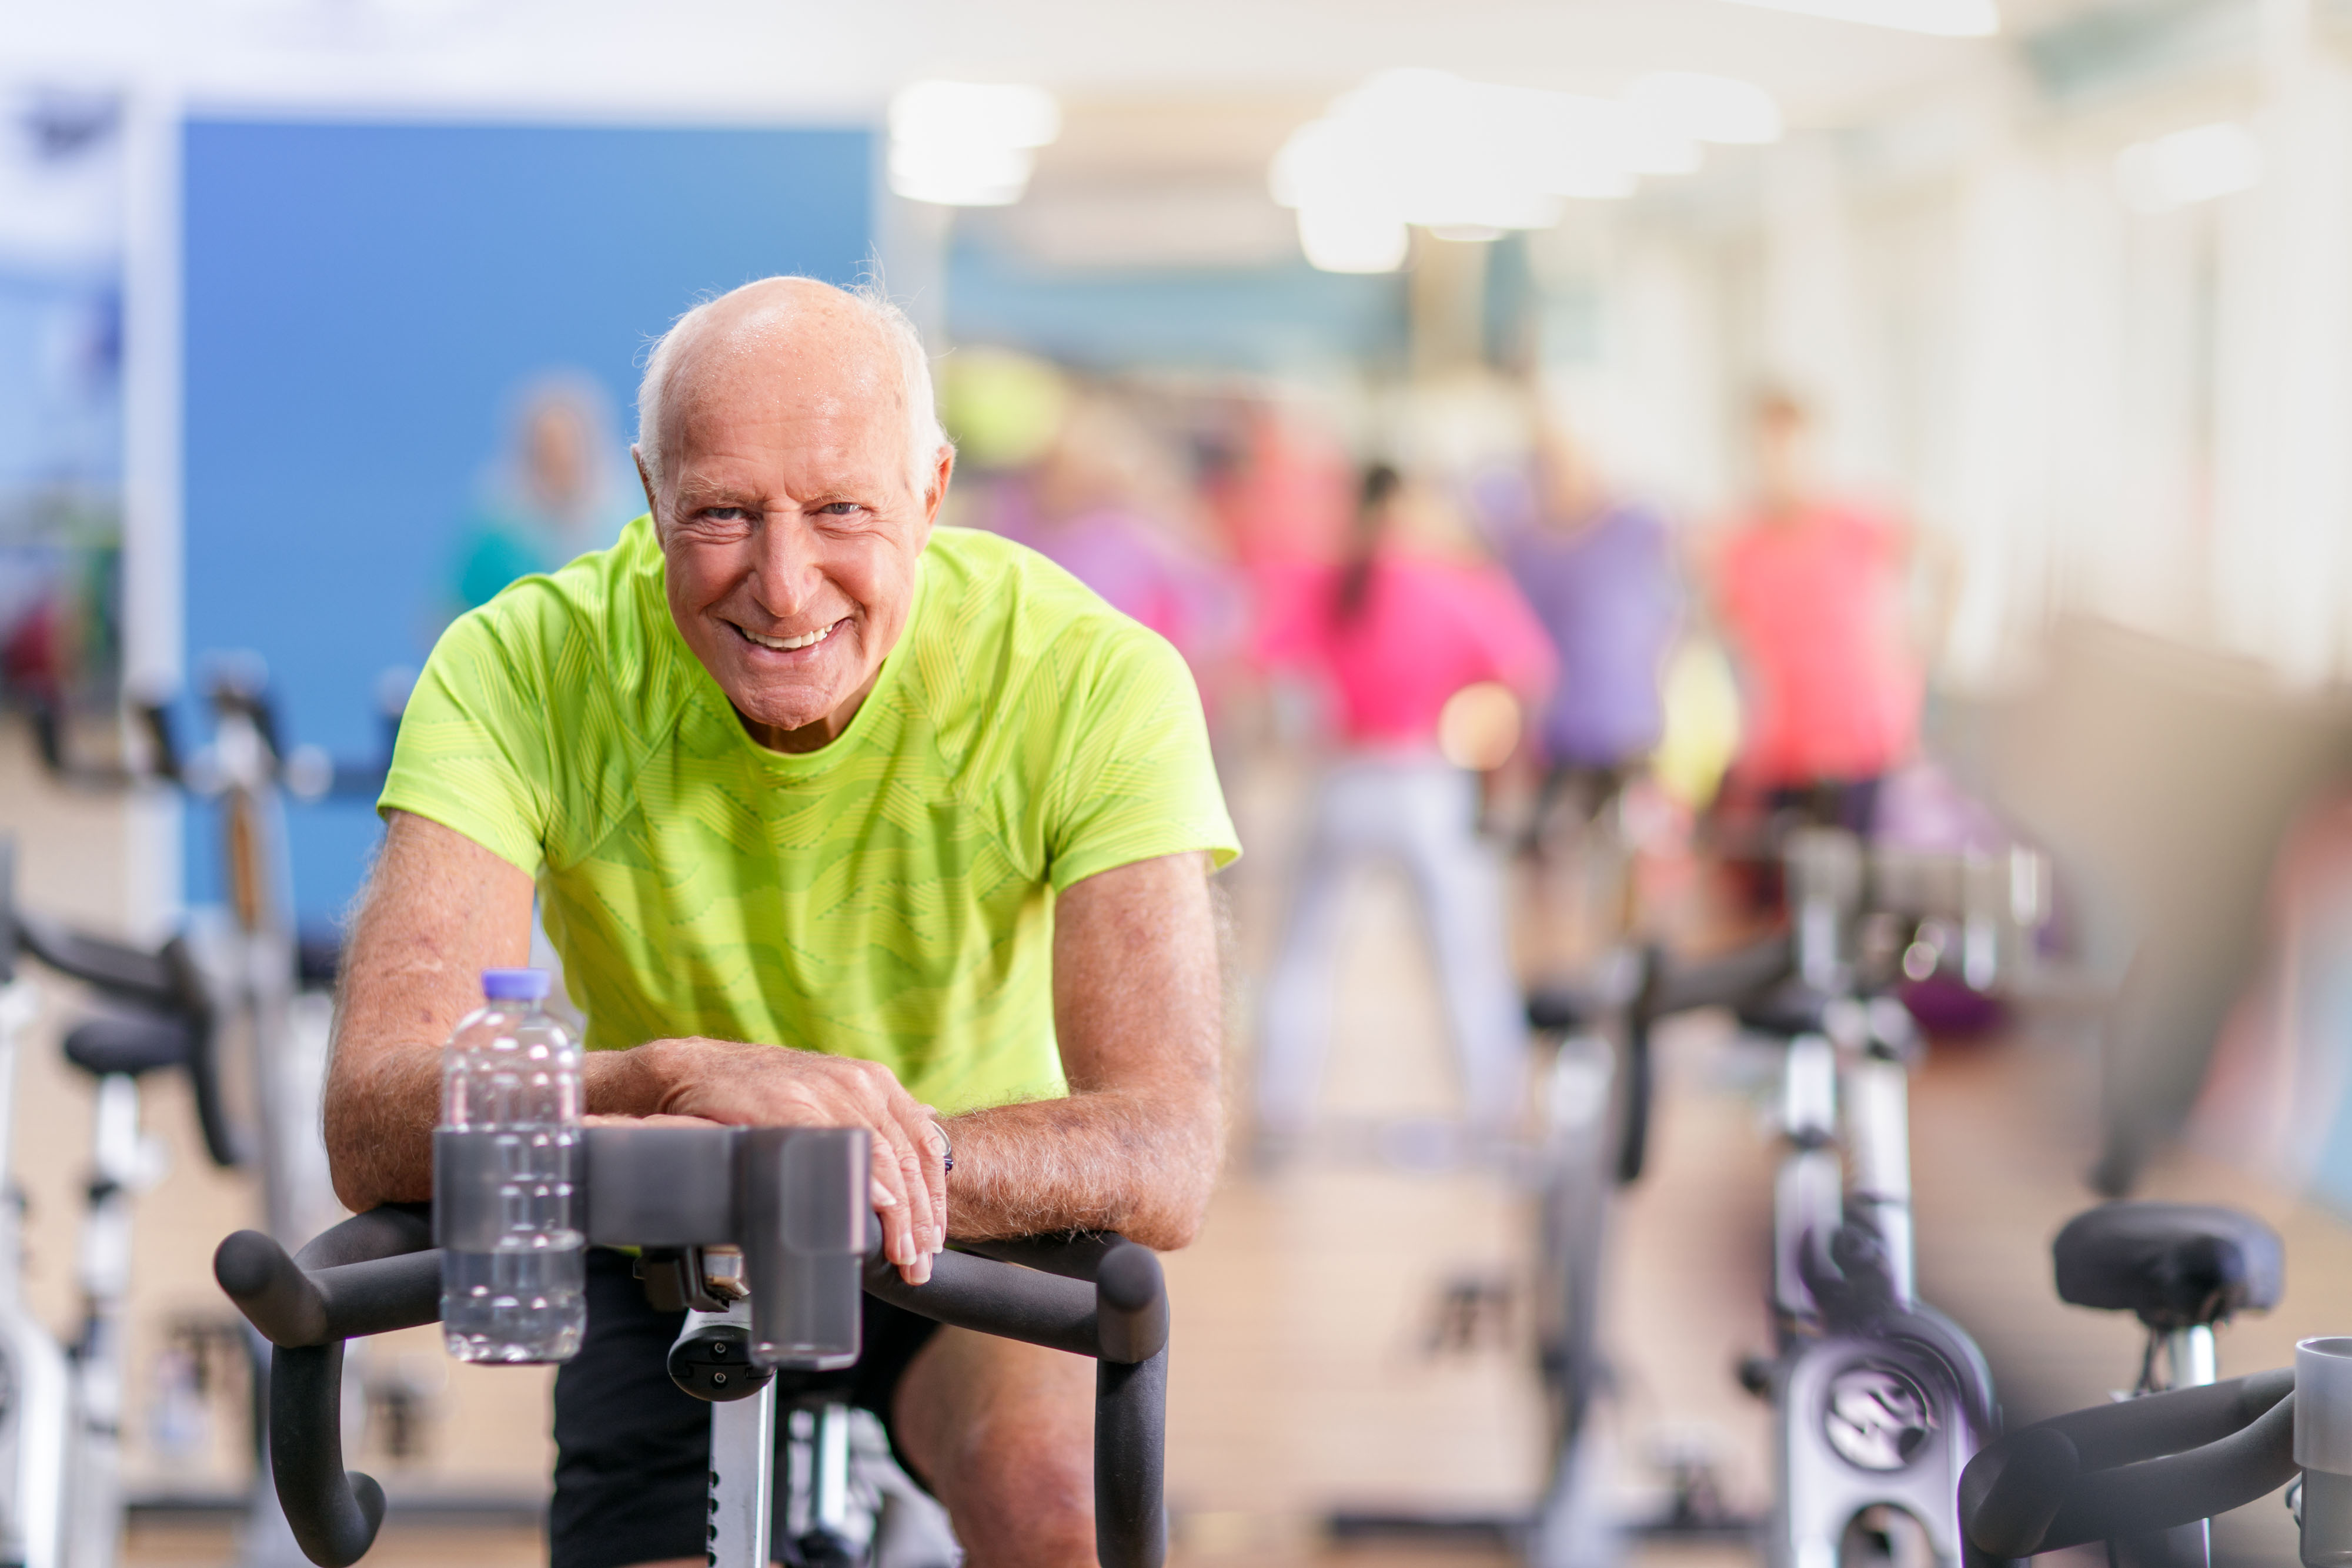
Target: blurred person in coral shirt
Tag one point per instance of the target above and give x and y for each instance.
(1811, 592)
(1413, 618)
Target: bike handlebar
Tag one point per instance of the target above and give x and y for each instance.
(2131, 1468)
(165, 980)
(1094, 1295)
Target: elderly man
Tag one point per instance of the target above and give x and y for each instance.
(835, 817)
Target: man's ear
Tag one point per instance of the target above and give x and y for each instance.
(645, 483)
(940, 477)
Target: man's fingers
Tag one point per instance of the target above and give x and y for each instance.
(935, 1171)
(891, 1204)
(895, 1116)
(924, 1174)
(918, 1199)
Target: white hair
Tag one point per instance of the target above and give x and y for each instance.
(925, 437)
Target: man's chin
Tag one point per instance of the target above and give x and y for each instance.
(765, 707)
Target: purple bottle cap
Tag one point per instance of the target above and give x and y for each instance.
(514, 985)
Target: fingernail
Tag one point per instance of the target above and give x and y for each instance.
(882, 1196)
(923, 1270)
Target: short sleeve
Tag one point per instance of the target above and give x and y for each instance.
(1133, 778)
(474, 747)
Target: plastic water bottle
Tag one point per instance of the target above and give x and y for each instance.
(513, 1265)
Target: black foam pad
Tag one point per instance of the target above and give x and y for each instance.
(2177, 1265)
(132, 1045)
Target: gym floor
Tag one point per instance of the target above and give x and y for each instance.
(1317, 1366)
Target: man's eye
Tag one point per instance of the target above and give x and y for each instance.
(839, 508)
(723, 514)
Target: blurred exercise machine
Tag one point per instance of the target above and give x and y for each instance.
(773, 1215)
(2182, 1269)
(1880, 1399)
(247, 773)
(270, 985)
(2147, 1473)
(61, 1504)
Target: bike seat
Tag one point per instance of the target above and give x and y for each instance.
(108, 1047)
(2177, 1265)
(1788, 1009)
(1560, 1009)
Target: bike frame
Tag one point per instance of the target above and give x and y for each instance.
(37, 1425)
(1881, 1402)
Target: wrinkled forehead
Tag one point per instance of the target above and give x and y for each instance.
(827, 381)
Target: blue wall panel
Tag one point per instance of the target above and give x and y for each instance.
(360, 300)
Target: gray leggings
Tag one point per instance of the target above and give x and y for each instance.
(1421, 813)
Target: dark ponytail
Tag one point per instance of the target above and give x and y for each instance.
(1378, 488)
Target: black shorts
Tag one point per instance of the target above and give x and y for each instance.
(632, 1449)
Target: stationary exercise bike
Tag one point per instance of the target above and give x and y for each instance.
(1881, 1399)
(60, 1422)
(778, 1214)
(246, 773)
(2146, 1474)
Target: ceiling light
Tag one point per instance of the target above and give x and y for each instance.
(969, 176)
(1001, 113)
(1344, 239)
(1952, 18)
(1430, 149)
(1699, 107)
(2187, 167)
(968, 144)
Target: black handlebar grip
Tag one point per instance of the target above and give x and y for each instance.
(271, 1290)
(993, 1297)
(1724, 980)
(2013, 1490)
(333, 1514)
(226, 1144)
(1131, 1305)
(294, 1307)
(2132, 1468)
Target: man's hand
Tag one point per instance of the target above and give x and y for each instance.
(766, 1086)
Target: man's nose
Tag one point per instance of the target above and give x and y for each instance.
(784, 572)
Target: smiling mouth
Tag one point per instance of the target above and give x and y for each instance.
(787, 645)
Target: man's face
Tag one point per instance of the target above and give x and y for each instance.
(788, 526)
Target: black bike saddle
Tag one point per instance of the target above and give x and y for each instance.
(2177, 1265)
(1788, 1009)
(129, 1044)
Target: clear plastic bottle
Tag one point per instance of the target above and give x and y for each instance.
(513, 1263)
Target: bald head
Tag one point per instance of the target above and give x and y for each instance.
(792, 332)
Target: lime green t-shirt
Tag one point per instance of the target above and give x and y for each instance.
(889, 897)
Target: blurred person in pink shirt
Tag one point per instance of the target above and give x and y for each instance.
(1810, 593)
(1413, 616)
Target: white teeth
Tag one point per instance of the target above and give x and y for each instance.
(786, 644)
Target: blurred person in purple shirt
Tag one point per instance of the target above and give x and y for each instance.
(1099, 505)
(1599, 573)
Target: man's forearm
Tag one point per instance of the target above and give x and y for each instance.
(380, 1131)
(1106, 1160)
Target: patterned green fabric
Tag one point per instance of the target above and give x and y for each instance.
(890, 896)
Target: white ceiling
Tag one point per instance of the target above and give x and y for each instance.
(795, 60)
